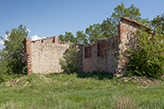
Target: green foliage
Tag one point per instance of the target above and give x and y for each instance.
(67, 37)
(94, 32)
(132, 12)
(109, 28)
(97, 32)
(149, 58)
(11, 58)
(158, 23)
(81, 37)
(71, 60)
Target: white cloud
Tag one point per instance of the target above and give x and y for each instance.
(5, 38)
(1, 42)
(28, 30)
(36, 37)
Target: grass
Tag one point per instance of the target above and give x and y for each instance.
(84, 91)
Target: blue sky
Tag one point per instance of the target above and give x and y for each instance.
(45, 18)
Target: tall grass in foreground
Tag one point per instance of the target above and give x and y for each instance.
(84, 91)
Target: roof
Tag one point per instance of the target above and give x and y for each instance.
(135, 22)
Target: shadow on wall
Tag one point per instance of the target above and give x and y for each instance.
(100, 75)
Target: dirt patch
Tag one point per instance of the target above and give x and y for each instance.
(142, 80)
(24, 81)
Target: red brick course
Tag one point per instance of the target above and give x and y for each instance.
(28, 53)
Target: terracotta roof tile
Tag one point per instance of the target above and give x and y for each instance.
(135, 22)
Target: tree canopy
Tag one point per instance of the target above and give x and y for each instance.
(81, 37)
(67, 37)
(158, 23)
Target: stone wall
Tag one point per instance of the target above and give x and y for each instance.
(105, 62)
(127, 32)
(43, 55)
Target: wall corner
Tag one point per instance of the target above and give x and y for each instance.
(28, 53)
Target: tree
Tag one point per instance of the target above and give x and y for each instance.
(67, 37)
(94, 32)
(132, 12)
(81, 37)
(11, 61)
(97, 32)
(109, 26)
(158, 23)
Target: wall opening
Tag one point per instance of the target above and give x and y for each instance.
(88, 51)
(102, 48)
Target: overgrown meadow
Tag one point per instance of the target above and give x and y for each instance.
(85, 91)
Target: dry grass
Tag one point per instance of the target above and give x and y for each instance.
(124, 103)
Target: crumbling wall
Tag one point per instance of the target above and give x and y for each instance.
(127, 33)
(108, 55)
(116, 58)
(43, 55)
(113, 53)
(105, 62)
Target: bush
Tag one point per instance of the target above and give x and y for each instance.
(70, 62)
(149, 58)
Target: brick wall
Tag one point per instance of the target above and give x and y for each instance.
(28, 53)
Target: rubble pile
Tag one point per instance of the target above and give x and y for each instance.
(142, 80)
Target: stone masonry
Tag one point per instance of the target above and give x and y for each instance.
(108, 55)
(127, 35)
(43, 55)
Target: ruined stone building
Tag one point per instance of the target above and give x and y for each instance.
(108, 55)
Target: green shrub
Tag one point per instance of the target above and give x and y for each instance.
(149, 58)
(70, 62)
